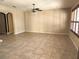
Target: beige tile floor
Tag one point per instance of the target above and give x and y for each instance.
(37, 46)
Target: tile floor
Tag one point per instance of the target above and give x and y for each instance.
(37, 46)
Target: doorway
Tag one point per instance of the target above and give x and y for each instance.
(10, 27)
(6, 23)
(3, 27)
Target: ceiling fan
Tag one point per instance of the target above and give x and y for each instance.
(35, 9)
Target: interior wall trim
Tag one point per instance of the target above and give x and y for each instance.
(48, 33)
(74, 42)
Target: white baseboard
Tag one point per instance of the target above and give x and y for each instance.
(74, 44)
(19, 32)
(48, 33)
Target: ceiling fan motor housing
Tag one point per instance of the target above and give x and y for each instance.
(35, 9)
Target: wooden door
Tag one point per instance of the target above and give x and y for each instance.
(10, 23)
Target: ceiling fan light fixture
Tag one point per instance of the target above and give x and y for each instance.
(33, 10)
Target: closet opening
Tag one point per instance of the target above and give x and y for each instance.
(3, 27)
(6, 23)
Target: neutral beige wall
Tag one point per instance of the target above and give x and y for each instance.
(49, 21)
(18, 18)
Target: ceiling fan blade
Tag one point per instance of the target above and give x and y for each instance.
(33, 4)
(40, 10)
(36, 8)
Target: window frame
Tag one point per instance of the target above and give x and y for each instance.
(74, 21)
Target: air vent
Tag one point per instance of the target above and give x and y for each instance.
(14, 6)
(2, 0)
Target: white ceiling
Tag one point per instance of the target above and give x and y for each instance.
(42, 4)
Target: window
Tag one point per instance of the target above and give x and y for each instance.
(75, 21)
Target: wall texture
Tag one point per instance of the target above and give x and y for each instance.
(18, 18)
(49, 21)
